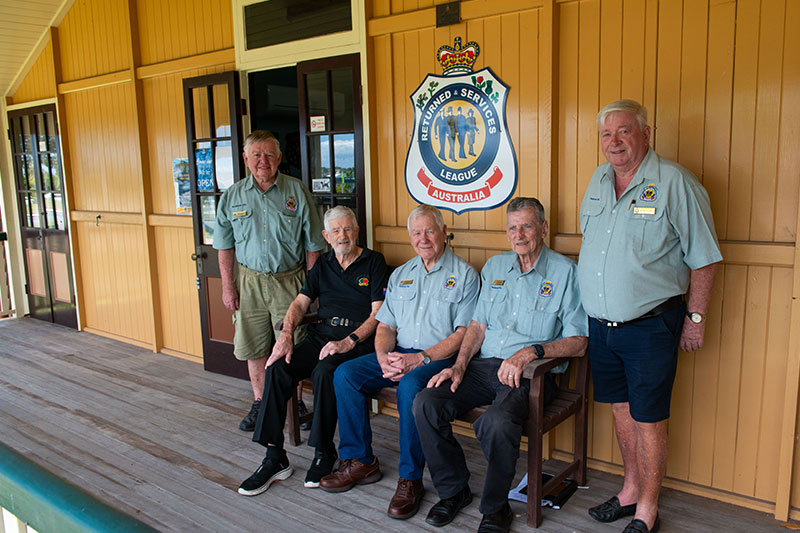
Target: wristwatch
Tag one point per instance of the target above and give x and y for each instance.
(425, 357)
(539, 350)
(696, 317)
(353, 337)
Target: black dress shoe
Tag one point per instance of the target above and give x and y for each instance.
(444, 511)
(499, 522)
(611, 510)
(638, 526)
(302, 410)
(248, 423)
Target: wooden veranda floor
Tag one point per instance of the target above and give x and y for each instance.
(156, 437)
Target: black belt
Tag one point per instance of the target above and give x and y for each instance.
(340, 321)
(669, 305)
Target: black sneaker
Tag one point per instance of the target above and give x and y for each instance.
(302, 410)
(322, 465)
(269, 471)
(248, 423)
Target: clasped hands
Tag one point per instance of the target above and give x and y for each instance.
(395, 365)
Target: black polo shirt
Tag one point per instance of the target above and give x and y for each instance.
(346, 293)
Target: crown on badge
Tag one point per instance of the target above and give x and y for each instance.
(458, 59)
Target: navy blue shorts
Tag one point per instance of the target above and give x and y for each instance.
(636, 363)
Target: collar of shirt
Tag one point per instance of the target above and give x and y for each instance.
(278, 185)
(540, 266)
(445, 260)
(648, 169)
(330, 257)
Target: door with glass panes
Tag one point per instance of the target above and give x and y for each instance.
(43, 214)
(214, 140)
(331, 141)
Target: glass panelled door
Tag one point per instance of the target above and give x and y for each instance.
(43, 214)
(214, 142)
(331, 133)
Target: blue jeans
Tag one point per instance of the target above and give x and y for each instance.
(357, 378)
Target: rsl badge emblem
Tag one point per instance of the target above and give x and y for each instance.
(546, 289)
(363, 281)
(450, 283)
(649, 194)
(291, 203)
(460, 157)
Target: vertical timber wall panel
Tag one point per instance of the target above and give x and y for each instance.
(721, 83)
(40, 81)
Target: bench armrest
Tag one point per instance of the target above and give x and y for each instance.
(540, 367)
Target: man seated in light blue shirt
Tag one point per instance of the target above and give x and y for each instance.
(529, 308)
(429, 303)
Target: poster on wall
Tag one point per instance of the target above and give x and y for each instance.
(183, 186)
(460, 157)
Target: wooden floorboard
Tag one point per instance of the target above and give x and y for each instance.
(157, 437)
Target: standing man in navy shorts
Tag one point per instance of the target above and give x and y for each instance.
(648, 234)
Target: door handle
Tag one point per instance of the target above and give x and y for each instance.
(202, 255)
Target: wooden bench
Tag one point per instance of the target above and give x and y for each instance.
(571, 399)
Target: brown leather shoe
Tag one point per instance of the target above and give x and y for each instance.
(406, 499)
(351, 473)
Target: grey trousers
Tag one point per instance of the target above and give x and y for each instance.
(499, 430)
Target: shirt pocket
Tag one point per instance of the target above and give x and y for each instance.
(590, 219)
(242, 223)
(540, 322)
(645, 232)
(289, 226)
(443, 307)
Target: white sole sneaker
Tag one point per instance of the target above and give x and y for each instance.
(279, 476)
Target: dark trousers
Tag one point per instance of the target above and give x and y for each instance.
(499, 430)
(280, 385)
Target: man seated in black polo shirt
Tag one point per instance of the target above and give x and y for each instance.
(350, 282)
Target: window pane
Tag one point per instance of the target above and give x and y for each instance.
(52, 133)
(44, 168)
(317, 87)
(223, 159)
(280, 21)
(342, 88)
(26, 134)
(55, 174)
(24, 210)
(202, 129)
(205, 172)
(222, 116)
(34, 203)
(16, 127)
(344, 157)
(49, 211)
(320, 164)
(41, 133)
(30, 173)
(208, 210)
(59, 207)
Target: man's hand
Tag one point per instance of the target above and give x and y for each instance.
(692, 335)
(282, 349)
(510, 371)
(333, 347)
(454, 373)
(383, 360)
(401, 364)
(230, 298)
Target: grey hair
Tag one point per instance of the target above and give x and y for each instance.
(626, 106)
(521, 202)
(260, 136)
(338, 212)
(426, 210)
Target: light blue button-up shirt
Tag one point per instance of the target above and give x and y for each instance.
(534, 307)
(427, 307)
(637, 251)
(271, 229)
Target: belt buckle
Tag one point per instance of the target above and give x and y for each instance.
(335, 321)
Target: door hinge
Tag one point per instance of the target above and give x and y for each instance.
(26, 289)
(197, 282)
(8, 131)
(244, 106)
(3, 236)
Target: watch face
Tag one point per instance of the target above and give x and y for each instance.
(696, 317)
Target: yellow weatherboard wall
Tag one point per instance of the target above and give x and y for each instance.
(721, 82)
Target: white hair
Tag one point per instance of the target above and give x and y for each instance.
(626, 106)
(424, 209)
(338, 212)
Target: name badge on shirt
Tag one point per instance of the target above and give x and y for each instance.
(239, 214)
(498, 284)
(406, 283)
(638, 210)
